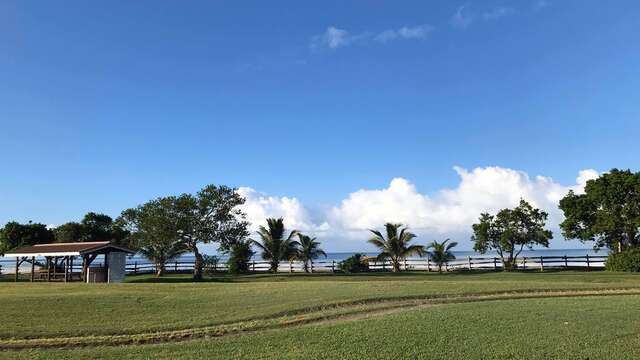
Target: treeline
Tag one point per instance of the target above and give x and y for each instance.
(607, 214)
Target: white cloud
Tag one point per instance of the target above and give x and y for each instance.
(497, 13)
(418, 32)
(462, 18)
(259, 206)
(445, 213)
(334, 38)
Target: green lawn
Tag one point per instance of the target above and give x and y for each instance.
(567, 328)
(142, 305)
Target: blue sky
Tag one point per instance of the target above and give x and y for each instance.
(106, 105)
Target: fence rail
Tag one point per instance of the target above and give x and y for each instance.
(586, 262)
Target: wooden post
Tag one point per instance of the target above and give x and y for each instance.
(588, 267)
(175, 267)
(428, 264)
(33, 267)
(384, 268)
(541, 263)
(311, 265)
(71, 268)
(135, 268)
(469, 260)
(495, 264)
(253, 267)
(566, 264)
(48, 269)
(333, 266)
(405, 264)
(524, 263)
(85, 268)
(66, 267)
(290, 266)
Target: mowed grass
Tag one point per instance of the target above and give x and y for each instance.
(605, 327)
(55, 309)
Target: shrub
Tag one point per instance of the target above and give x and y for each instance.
(628, 260)
(210, 264)
(239, 256)
(354, 264)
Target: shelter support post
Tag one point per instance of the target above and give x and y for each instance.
(33, 265)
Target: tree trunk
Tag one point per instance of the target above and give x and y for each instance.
(197, 265)
(395, 265)
(160, 269)
(306, 266)
(439, 268)
(274, 266)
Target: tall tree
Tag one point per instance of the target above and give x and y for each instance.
(608, 212)
(274, 245)
(395, 247)
(308, 251)
(154, 228)
(440, 252)
(92, 227)
(212, 215)
(510, 231)
(14, 235)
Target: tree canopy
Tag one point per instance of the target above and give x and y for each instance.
(608, 212)
(274, 245)
(510, 231)
(92, 227)
(14, 235)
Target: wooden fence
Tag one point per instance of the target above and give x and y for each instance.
(586, 262)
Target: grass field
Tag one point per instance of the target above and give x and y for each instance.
(419, 315)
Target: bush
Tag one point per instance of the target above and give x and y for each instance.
(354, 264)
(628, 260)
(210, 264)
(239, 257)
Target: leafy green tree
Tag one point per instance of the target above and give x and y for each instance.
(395, 247)
(240, 254)
(212, 215)
(274, 245)
(440, 252)
(510, 231)
(154, 228)
(14, 235)
(308, 251)
(69, 232)
(93, 227)
(607, 213)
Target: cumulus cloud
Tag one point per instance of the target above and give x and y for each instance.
(446, 213)
(418, 32)
(259, 206)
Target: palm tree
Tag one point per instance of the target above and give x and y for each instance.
(275, 247)
(396, 245)
(441, 252)
(309, 250)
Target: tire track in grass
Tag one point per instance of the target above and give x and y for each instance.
(317, 315)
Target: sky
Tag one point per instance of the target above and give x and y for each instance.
(337, 115)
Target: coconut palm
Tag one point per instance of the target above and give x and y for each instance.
(440, 253)
(308, 251)
(395, 247)
(275, 247)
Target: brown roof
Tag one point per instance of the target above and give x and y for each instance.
(79, 247)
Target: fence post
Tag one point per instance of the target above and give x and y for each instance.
(405, 264)
(469, 260)
(384, 263)
(135, 268)
(446, 266)
(566, 265)
(290, 266)
(311, 265)
(253, 266)
(524, 263)
(495, 264)
(175, 267)
(428, 264)
(333, 266)
(541, 263)
(588, 267)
